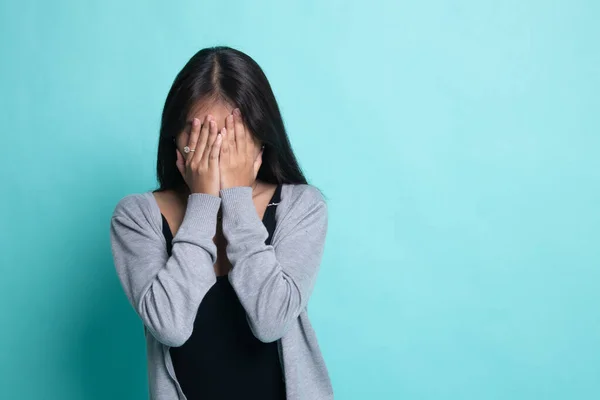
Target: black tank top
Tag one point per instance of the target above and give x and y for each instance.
(222, 359)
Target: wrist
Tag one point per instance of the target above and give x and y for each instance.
(238, 206)
(236, 193)
(201, 214)
(234, 184)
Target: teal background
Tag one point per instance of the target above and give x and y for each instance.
(457, 143)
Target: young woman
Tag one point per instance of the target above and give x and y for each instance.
(220, 261)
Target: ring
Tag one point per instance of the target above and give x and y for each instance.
(186, 149)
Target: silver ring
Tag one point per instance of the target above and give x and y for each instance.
(186, 149)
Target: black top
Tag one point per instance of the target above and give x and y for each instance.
(223, 359)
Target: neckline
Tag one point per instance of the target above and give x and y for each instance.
(273, 201)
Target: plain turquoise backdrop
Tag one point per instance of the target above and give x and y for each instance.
(457, 143)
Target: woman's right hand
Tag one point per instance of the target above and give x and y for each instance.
(200, 168)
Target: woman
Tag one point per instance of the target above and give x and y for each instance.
(220, 261)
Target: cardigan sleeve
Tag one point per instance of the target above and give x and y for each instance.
(274, 282)
(165, 291)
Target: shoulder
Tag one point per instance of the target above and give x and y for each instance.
(139, 208)
(303, 195)
(299, 201)
(131, 204)
(302, 210)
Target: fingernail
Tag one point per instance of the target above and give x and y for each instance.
(196, 121)
(237, 112)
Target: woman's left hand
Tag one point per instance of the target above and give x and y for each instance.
(240, 157)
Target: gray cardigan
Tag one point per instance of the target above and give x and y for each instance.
(273, 282)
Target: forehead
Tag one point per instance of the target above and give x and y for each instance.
(219, 110)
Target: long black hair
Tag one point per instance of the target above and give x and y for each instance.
(225, 74)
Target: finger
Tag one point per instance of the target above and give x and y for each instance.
(225, 148)
(180, 162)
(212, 136)
(231, 130)
(203, 137)
(240, 132)
(193, 139)
(215, 151)
(229, 140)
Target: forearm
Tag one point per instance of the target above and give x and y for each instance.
(273, 282)
(166, 291)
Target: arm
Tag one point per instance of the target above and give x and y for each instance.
(273, 282)
(165, 291)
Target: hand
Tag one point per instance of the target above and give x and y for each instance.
(240, 157)
(200, 169)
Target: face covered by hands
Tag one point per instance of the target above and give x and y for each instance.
(218, 159)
